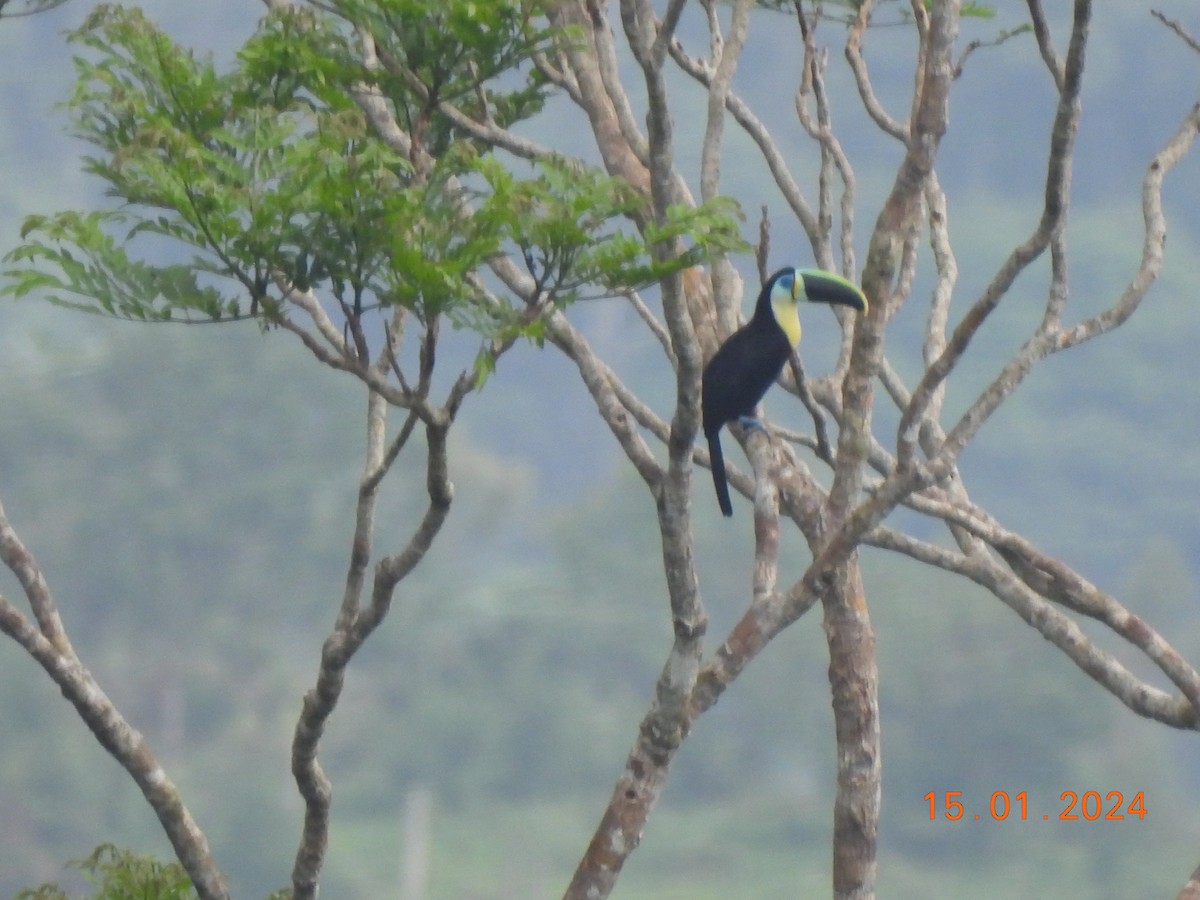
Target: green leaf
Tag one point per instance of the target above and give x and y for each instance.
(232, 182)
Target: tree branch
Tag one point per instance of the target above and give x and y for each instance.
(355, 623)
(858, 66)
(596, 377)
(761, 135)
(21, 563)
(832, 156)
(609, 124)
(834, 576)
(1049, 339)
(1062, 138)
(1178, 28)
(124, 743)
(1055, 626)
(1041, 33)
(1154, 237)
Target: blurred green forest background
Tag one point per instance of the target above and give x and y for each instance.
(189, 494)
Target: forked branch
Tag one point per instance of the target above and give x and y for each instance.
(357, 620)
(47, 644)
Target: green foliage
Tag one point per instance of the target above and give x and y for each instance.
(453, 52)
(977, 10)
(118, 874)
(564, 221)
(271, 175)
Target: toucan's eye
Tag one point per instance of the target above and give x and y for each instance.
(788, 283)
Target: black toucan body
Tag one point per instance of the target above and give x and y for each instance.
(743, 367)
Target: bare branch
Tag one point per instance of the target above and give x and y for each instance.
(596, 378)
(21, 563)
(1045, 577)
(822, 447)
(1053, 580)
(1062, 138)
(1041, 32)
(762, 250)
(311, 306)
(979, 44)
(1179, 29)
(946, 266)
(770, 613)
(1056, 299)
(761, 135)
(651, 322)
(766, 516)
(832, 156)
(726, 283)
(666, 29)
(1191, 890)
(664, 725)
(1154, 239)
(354, 625)
(125, 744)
(1056, 627)
(894, 231)
(1045, 342)
(862, 78)
(391, 570)
(608, 67)
(558, 75)
(724, 64)
(619, 154)
(834, 576)
(751, 634)
(34, 7)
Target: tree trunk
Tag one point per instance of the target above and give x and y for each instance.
(854, 683)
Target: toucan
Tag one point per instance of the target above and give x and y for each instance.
(743, 367)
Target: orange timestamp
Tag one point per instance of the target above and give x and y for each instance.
(1073, 806)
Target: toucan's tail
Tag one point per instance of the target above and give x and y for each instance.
(720, 482)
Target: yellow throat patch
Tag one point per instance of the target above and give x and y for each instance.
(787, 314)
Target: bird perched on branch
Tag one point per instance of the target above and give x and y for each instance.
(743, 367)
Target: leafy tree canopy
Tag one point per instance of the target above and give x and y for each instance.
(268, 178)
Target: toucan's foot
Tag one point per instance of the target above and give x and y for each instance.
(751, 424)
